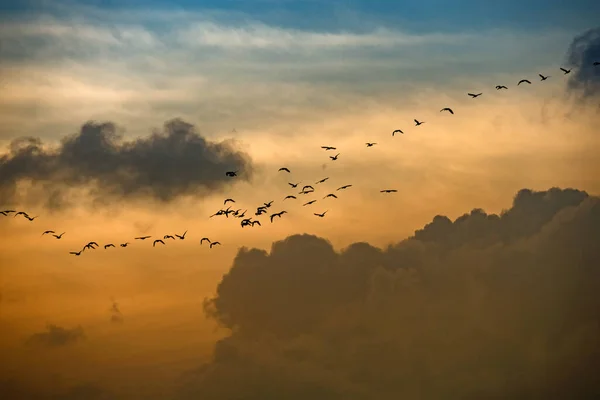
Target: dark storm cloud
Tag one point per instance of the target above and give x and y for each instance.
(485, 306)
(163, 166)
(56, 336)
(583, 52)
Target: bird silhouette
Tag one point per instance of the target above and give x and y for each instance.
(331, 195)
(124, 244)
(6, 212)
(157, 241)
(228, 201)
(142, 237)
(106, 246)
(566, 71)
(293, 185)
(388, 191)
(168, 237)
(344, 187)
(242, 215)
(397, 131)
(203, 239)
(309, 203)
(370, 144)
(473, 95)
(289, 197)
(23, 213)
(322, 180)
(231, 173)
(596, 63)
(543, 78)
(498, 87)
(284, 169)
(30, 218)
(321, 215)
(447, 109)
(333, 158)
(523, 81)
(268, 204)
(214, 244)
(307, 187)
(255, 222)
(417, 123)
(328, 148)
(77, 253)
(181, 237)
(59, 236)
(47, 232)
(279, 214)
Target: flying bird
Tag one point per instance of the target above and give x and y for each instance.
(397, 131)
(596, 63)
(566, 71)
(388, 191)
(214, 244)
(293, 185)
(168, 237)
(23, 213)
(344, 187)
(279, 214)
(307, 187)
(157, 241)
(228, 201)
(417, 123)
(498, 87)
(203, 239)
(47, 232)
(76, 252)
(473, 95)
(321, 215)
(370, 144)
(6, 212)
(289, 197)
(447, 109)
(124, 244)
(284, 169)
(142, 237)
(255, 222)
(231, 173)
(309, 203)
(523, 81)
(333, 158)
(321, 181)
(331, 195)
(106, 246)
(59, 236)
(268, 204)
(328, 148)
(181, 237)
(543, 78)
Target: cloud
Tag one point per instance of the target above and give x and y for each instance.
(582, 53)
(56, 336)
(17, 390)
(485, 306)
(163, 166)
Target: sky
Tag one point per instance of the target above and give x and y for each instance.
(475, 279)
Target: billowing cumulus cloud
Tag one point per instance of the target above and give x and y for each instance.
(163, 166)
(57, 336)
(583, 52)
(485, 306)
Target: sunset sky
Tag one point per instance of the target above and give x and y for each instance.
(119, 119)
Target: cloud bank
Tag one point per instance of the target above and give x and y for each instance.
(56, 336)
(486, 306)
(582, 53)
(163, 166)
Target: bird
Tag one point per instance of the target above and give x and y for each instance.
(473, 95)
(388, 191)
(181, 237)
(247, 221)
(279, 214)
(124, 244)
(566, 71)
(523, 81)
(157, 241)
(328, 148)
(92, 245)
(228, 201)
(106, 246)
(142, 237)
(6, 212)
(268, 204)
(30, 218)
(59, 236)
(447, 109)
(293, 185)
(417, 123)
(543, 78)
(307, 187)
(498, 87)
(397, 131)
(321, 215)
(168, 237)
(284, 169)
(370, 144)
(254, 223)
(321, 181)
(309, 203)
(344, 187)
(76, 252)
(242, 215)
(333, 158)
(306, 191)
(214, 244)
(331, 195)
(231, 173)
(596, 63)
(47, 232)
(289, 197)
(203, 239)
(20, 213)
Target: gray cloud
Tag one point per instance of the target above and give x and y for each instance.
(175, 162)
(56, 336)
(582, 53)
(485, 306)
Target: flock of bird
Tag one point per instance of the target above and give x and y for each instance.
(263, 208)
